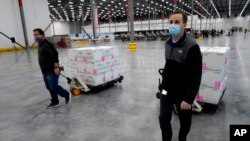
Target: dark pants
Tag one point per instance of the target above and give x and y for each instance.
(185, 117)
(51, 83)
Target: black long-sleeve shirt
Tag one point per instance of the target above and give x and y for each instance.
(47, 56)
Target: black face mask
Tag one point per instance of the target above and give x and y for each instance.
(39, 40)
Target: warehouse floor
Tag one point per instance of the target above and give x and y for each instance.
(126, 112)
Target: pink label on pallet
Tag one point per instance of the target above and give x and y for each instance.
(95, 71)
(217, 84)
(204, 66)
(85, 59)
(85, 71)
(225, 61)
(103, 58)
(199, 97)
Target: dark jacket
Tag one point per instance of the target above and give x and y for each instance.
(183, 68)
(47, 56)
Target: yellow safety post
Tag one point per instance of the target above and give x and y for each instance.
(132, 45)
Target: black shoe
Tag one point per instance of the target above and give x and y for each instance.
(52, 105)
(68, 98)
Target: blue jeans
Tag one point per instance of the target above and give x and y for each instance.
(51, 83)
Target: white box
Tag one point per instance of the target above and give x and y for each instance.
(106, 58)
(82, 67)
(107, 63)
(93, 80)
(211, 95)
(214, 58)
(72, 55)
(115, 74)
(115, 68)
(71, 72)
(89, 54)
(95, 67)
(212, 78)
(72, 64)
(108, 76)
(106, 50)
(115, 62)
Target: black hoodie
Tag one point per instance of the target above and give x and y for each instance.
(47, 56)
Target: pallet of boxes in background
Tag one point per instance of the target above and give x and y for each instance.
(97, 67)
(214, 75)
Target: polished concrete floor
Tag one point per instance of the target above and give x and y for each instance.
(126, 112)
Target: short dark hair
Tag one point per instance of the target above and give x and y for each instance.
(184, 16)
(39, 30)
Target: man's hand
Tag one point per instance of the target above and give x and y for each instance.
(57, 71)
(185, 106)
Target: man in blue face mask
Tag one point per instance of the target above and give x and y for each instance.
(181, 77)
(49, 64)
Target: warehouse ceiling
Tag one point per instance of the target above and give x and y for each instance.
(116, 10)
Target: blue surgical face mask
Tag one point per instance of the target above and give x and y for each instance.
(174, 29)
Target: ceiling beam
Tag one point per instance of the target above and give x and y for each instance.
(244, 7)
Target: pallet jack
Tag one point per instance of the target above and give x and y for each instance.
(77, 85)
(196, 107)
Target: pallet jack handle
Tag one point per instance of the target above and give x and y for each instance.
(61, 68)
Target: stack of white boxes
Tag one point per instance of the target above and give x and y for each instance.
(214, 74)
(94, 65)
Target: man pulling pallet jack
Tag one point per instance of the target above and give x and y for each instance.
(181, 77)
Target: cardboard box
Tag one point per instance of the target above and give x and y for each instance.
(115, 74)
(82, 67)
(89, 55)
(72, 54)
(115, 61)
(107, 63)
(95, 68)
(71, 72)
(108, 76)
(211, 95)
(106, 50)
(93, 80)
(212, 78)
(214, 58)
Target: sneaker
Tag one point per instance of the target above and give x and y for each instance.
(52, 105)
(68, 98)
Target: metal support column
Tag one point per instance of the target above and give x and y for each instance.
(93, 17)
(192, 17)
(132, 44)
(131, 11)
(200, 24)
(149, 17)
(82, 26)
(23, 24)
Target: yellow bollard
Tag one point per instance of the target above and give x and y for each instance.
(200, 38)
(132, 45)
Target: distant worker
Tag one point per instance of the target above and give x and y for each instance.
(181, 77)
(245, 31)
(49, 64)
